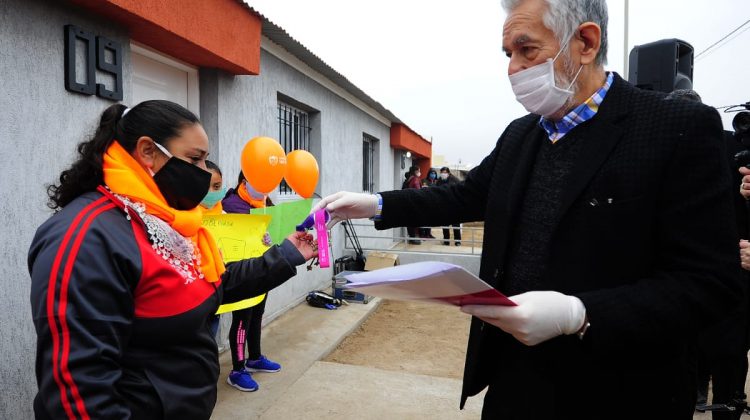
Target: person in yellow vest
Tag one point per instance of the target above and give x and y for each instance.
(246, 322)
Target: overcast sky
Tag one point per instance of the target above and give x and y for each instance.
(438, 64)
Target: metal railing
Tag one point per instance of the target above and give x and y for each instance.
(470, 243)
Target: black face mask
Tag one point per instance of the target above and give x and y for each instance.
(182, 184)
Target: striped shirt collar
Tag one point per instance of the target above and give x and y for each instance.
(582, 113)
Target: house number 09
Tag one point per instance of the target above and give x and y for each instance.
(95, 54)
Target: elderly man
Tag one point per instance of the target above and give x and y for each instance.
(608, 220)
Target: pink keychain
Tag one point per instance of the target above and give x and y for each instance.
(321, 217)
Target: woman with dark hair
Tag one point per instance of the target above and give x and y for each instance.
(125, 280)
(247, 322)
(243, 198)
(429, 181)
(432, 178)
(413, 181)
(211, 203)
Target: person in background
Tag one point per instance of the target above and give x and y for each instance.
(432, 178)
(426, 232)
(125, 280)
(413, 182)
(211, 203)
(447, 178)
(722, 348)
(246, 323)
(412, 178)
(243, 198)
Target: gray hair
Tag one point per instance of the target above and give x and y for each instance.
(564, 16)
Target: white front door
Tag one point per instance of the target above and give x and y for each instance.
(157, 76)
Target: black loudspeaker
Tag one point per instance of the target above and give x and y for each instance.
(663, 65)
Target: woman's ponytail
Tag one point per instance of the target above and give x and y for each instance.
(86, 173)
(157, 119)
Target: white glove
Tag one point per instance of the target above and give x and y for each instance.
(538, 317)
(348, 205)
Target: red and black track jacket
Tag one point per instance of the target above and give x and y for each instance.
(120, 333)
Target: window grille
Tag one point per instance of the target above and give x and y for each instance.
(294, 133)
(369, 145)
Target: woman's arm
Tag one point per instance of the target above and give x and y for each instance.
(254, 276)
(82, 309)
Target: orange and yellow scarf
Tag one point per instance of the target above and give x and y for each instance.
(124, 176)
(245, 195)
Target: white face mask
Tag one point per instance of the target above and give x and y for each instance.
(443, 176)
(535, 88)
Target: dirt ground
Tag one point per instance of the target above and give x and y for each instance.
(420, 338)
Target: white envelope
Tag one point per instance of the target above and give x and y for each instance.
(433, 281)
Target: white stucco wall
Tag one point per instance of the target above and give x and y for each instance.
(40, 125)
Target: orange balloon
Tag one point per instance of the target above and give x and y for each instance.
(302, 172)
(263, 163)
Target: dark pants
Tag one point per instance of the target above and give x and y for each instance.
(559, 380)
(245, 328)
(456, 233)
(722, 354)
(728, 383)
(537, 402)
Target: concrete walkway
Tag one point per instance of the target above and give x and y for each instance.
(310, 389)
(338, 391)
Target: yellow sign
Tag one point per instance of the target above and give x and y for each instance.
(239, 237)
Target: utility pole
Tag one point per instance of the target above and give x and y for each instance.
(625, 42)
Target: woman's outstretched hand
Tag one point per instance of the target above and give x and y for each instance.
(305, 244)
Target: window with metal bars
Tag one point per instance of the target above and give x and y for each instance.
(369, 145)
(294, 133)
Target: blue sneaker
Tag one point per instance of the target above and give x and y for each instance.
(262, 365)
(242, 380)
